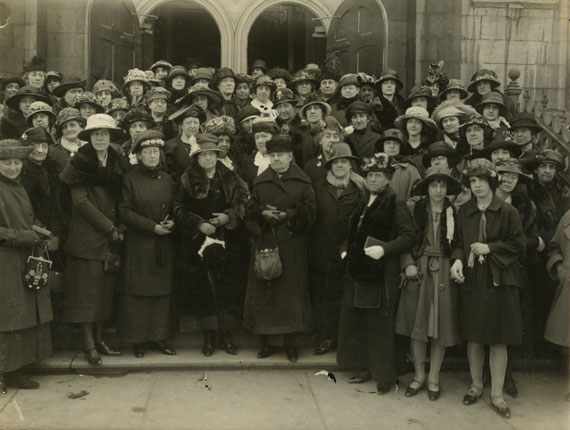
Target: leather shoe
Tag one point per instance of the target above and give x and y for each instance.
(383, 387)
(510, 387)
(360, 378)
(265, 351)
(164, 348)
(325, 347)
(471, 397)
(501, 408)
(433, 395)
(138, 350)
(102, 348)
(291, 352)
(93, 357)
(20, 380)
(208, 348)
(226, 343)
(412, 391)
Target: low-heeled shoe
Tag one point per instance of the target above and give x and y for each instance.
(411, 391)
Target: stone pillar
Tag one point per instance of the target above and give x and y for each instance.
(513, 89)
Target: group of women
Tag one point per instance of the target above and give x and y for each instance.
(271, 202)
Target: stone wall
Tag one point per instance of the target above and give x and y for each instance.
(19, 39)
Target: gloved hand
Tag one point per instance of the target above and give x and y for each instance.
(26, 238)
(114, 235)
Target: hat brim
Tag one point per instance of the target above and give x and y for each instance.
(19, 152)
(199, 151)
(324, 105)
(14, 101)
(125, 86)
(502, 107)
(82, 121)
(464, 93)
(512, 147)
(179, 115)
(291, 85)
(399, 83)
(472, 87)
(116, 133)
(12, 80)
(522, 176)
(530, 125)
(400, 121)
(47, 112)
(98, 107)
(214, 99)
(60, 90)
(451, 155)
(348, 157)
(453, 186)
(532, 165)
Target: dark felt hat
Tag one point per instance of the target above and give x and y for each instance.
(492, 97)
(434, 174)
(500, 142)
(36, 135)
(390, 74)
(280, 143)
(391, 134)
(70, 83)
(483, 75)
(14, 101)
(340, 150)
(222, 73)
(524, 119)
(148, 139)
(246, 112)
(206, 142)
(137, 113)
(266, 125)
(302, 76)
(440, 148)
(355, 107)
(259, 64)
(512, 165)
(12, 79)
(194, 111)
(547, 155)
(283, 95)
(278, 72)
(177, 71)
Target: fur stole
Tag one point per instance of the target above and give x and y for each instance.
(421, 218)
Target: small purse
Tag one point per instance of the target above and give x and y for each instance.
(38, 264)
(267, 262)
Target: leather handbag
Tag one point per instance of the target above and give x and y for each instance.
(267, 262)
(37, 268)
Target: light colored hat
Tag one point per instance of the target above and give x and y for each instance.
(105, 85)
(512, 165)
(135, 75)
(37, 107)
(158, 93)
(206, 142)
(452, 108)
(69, 114)
(161, 63)
(340, 150)
(100, 121)
(379, 162)
(415, 112)
(87, 97)
(221, 125)
(117, 104)
(314, 99)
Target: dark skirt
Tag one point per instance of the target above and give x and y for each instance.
(22, 347)
(88, 291)
(143, 318)
(489, 314)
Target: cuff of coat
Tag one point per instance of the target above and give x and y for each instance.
(551, 265)
(406, 260)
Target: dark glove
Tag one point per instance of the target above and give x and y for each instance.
(26, 238)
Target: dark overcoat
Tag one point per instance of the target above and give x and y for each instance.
(363, 142)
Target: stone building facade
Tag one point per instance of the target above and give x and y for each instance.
(101, 38)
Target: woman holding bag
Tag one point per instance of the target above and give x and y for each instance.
(24, 313)
(94, 176)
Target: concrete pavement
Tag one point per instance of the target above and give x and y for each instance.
(271, 399)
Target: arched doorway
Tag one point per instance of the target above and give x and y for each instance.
(181, 32)
(287, 35)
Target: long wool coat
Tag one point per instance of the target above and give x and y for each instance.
(146, 200)
(363, 142)
(283, 306)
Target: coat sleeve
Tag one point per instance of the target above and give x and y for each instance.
(506, 252)
(555, 247)
(302, 217)
(531, 232)
(458, 253)
(81, 202)
(405, 232)
(128, 216)
(184, 219)
(239, 196)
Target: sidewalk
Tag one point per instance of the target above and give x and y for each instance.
(272, 399)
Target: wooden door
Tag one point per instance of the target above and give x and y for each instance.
(356, 36)
(115, 40)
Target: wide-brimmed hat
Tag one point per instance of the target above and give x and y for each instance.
(302, 76)
(67, 85)
(454, 84)
(433, 174)
(5, 80)
(547, 155)
(37, 107)
(278, 72)
(379, 162)
(314, 99)
(206, 73)
(137, 113)
(492, 97)
(193, 110)
(527, 120)
(222, 73)
(105, 85)
(440, 148)
(483, 75)
(36, 135)
(452, 108)
(220, 126)
(148, 139)
(262, 80)
(349, 79)
(87, 97)
(134, 75)
(476, 119)
(177, 71)
(101, 121)
(247, 112)
(340, 150)
(117, 104)
(421, 91)
(390, 74)
(201, 89)
(27, 91)
(69, 114)
(357, 106)
(283, 95)
(280, 143)
(206, 142)
(259, 64)
(501, 142)
(415, 112)
(161, 63)
(158, 93)
(12, 148)
(512, 165)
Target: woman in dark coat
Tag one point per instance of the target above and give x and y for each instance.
(428, 302)
(24, 314)
(485, 258)
(337, 195)
(208, 210)
(281, 211)
(94, 176)
(146, 210)
(380, 230)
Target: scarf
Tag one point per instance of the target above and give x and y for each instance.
(336, 182)
(261, 161)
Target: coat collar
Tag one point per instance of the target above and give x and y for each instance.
(495, 205)
(294, 173)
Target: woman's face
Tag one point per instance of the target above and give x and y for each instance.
(247, 125)
(439, 161)
(304, 88)
(86, 110)
(450, 124)
(453, 95)
(367, 93)
(479, 186)
(262, 93)
(261, 139)
(25, 103)
(178, 82)
(491, 111)
(149, 157)
(104, 97)
(227, 86)
(376, 181)
(328, 87)
(437, 190)
(40, 120)
(285, 110)
(100, 139)
(160, 73)
(11, 89)
(392, 147)
(118, 115)
(158, 106)
(280, 161)
(341, 168)
(71, 129)
(53, 84)
(359, 121)
(414, 126)
(522, 135)
(10, 168)
(71, 95)
(420, 101)
(545, 172)
(39, 152)
(508, 182)
(36, 78)
(500, 154)
(224, 143)
(388, 87)
(483, 87)
(136, 88)
(201, 101)
(280, 83)
(207, 159)
(137, 128)
(349, 91)
(190, 126)
(328, 139)
(314, 113)
(242, 91)
(475, 136)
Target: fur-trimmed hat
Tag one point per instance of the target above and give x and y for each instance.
(244, 78)
(12, 148)
(262, 80)
(278, 72)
